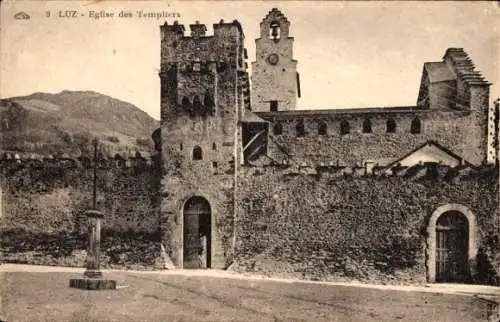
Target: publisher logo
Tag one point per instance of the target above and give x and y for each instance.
(22, 16)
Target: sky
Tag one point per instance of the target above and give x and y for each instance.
(350, 54)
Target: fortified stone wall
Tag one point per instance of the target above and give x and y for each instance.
(462, 132)
(43, 206)
(50, 197)
(323, 223)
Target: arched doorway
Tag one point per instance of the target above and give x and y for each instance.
(197, 233)
(452, 237)
(451, 244)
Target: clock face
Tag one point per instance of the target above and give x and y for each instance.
(273, 59)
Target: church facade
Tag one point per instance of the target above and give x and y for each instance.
(230, 146)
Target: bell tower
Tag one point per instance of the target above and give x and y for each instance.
(275, 81)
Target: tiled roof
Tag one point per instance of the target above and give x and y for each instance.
(250, 117)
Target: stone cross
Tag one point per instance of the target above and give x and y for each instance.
(92, 277)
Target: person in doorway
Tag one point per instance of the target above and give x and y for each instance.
(202, 255)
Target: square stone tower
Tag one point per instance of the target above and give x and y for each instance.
(203, 79)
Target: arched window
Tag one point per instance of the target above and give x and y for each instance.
(416, 126)
(274, 30)
(187, 107)
(322, 128)
(197, 153)
(300, 129)
(209, 104)
(345, 128)
(391, 126)
(367, 126)
(277, 129)
(214, 146)
(197, 107)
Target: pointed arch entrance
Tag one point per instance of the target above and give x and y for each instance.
(197, 233)
(451, 244)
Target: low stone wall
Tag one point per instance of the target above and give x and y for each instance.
(118, 250)
(53, 199)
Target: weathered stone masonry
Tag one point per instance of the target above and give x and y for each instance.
(228, 159)
(43, 206)
(321, 194)
(204, 84)
(325, 223)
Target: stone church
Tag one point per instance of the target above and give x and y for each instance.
(240, 162)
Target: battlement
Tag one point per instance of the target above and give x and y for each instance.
(176, 28)
(420, 171)
(103, 162)
(199, 30)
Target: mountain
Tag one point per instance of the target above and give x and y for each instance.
(66, 123)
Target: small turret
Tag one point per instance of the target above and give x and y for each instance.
(170, 30)
(198, 30)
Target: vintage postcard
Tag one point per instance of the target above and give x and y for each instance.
(249, 161)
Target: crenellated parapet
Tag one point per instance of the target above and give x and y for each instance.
(197, 68)
(223, 47)
(420, 171)
(13, 159)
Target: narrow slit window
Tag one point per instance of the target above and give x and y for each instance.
(209, 104)
(300, 129)
(278, 129)
(345, 127)
(188, 108)
(322, 128)
(273, 106)
(197, 153)
(197, 107)
(367, 126)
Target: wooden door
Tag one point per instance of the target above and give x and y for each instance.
(197, 233)
(452, 240)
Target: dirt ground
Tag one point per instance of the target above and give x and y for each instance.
(38, 296)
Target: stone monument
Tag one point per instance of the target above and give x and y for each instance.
(92, 277)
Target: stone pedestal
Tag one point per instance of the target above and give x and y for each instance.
(92, 277)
